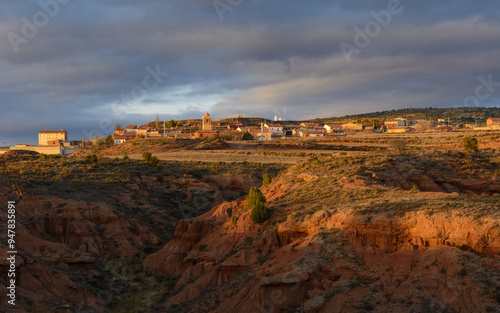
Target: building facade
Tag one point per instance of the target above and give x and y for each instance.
(47, 136)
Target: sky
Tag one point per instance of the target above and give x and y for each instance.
(85, 66)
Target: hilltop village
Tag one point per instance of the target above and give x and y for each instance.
(248, 128)
(262, 129)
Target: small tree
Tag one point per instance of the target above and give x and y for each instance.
(247, 136)
(266, 179)
(259, 213)
(254, 196)
(109, 139)
(171, 124)
(470, 144)
(125, 156)
(118, 127)
(256, 200)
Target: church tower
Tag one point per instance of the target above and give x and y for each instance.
(207, 122)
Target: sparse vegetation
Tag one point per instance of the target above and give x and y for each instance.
(256, 201)
(266, 179)
(90, 158)
(471, 144)
(247, 136)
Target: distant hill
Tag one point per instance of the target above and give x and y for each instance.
(455, 115)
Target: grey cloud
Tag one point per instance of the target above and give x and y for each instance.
(280, 56)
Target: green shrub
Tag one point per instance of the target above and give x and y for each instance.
(254, 196)
(266, 179)
(414, 189)
(215, 167)
(259, 213)
(146, 156)
(154, 161)
(247, 136)
(256, 200)
(90, 158)
(470, 144)
(43, 157)
(109, 139)
(417, 148)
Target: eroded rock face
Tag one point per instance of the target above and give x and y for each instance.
(376, 266)
(60, 237)
(431, 179)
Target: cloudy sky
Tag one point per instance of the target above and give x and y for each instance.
(87, 65)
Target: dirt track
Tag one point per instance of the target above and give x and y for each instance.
(204, 156)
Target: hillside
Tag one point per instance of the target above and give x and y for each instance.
(398, 233)
(354, 226)
(83, 228)
(455, 115)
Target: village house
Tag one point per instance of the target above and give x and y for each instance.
(274, 128)
(261, 133)
(352, 126)
(119, 139)
(289, 129)
(493, 121)
(313, 133)
(399, 122)
(143, 131)
(46, 136)
(204, 134)
(398, 130)
(333, 128)
(413, 121)
(131, 129)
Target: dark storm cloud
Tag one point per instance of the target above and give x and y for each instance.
(276, 57)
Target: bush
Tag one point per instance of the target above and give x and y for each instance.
(146, 156)
(266, 179)
(154, 161)
(256, 200)
(109, 139)
(125, 156)
(90, 158)
(43, 157)
(247, 136)
(259, 213)
(254, 196)
(215, 167)
(470, 144)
